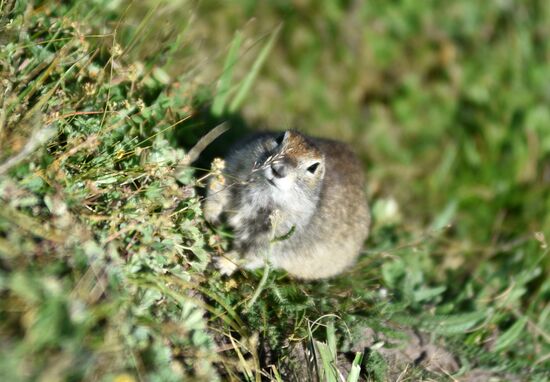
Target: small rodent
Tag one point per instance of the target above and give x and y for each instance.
(297, 201)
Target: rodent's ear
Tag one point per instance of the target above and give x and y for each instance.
(281, 138)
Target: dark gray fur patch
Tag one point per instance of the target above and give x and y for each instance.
(255, 228)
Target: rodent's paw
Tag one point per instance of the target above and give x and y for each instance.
(228, 263)
(212, 212)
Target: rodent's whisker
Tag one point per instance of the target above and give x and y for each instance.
(211, 194)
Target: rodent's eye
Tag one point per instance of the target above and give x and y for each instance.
(280, 139)
(313, 167)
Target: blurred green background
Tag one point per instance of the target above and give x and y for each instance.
(446, 102)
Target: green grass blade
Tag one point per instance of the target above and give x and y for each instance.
(355, 368)
(454, 323)
(331, 338)
(327, 362)
(424, 294)
(276, 373)
(224, 83)
(249, 79)
(511, 335)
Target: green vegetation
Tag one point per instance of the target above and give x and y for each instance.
(105, 269)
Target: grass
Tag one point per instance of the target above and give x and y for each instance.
(105, 267)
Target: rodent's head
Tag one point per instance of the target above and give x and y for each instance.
(294, 165)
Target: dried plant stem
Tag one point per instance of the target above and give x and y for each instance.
(38, 139)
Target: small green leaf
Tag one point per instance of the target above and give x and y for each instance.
(428, 293)
(26, 286)
(392, 272)
(454, 324)
(445, 217)
(510, 336)
(161, 76)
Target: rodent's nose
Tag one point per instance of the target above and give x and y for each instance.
(279, 170)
